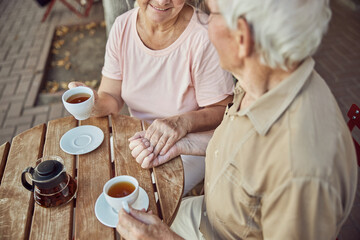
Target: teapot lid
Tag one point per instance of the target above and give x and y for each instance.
(47, 170)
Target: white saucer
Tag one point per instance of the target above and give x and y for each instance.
(107, 216)
(81, 140)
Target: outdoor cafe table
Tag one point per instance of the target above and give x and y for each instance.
(21, 218)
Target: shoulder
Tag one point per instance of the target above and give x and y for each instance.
(125, 18)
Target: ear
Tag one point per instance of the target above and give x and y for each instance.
(244, 38)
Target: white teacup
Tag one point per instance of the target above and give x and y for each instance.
(117, 203)
(82, 110)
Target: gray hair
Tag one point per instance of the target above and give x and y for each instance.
(285, 31)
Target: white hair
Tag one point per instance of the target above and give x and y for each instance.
(285, 31)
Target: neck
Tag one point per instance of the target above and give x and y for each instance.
(257, 79)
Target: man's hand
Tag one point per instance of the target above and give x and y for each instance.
(191, 144)
(142, 225)
(164, 133)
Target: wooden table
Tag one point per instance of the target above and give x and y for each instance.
(20, 218)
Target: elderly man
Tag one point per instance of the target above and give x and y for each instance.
(282, 164)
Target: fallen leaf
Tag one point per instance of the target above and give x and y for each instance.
(67, 66)
(60, 63)
(92, 32)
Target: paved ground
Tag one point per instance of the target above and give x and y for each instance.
(25, 44)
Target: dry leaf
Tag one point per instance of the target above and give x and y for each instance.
(75, 39)
(92, 32)
(54, 51)
(60, 63)
(63, 85)
(67, 66)
(67, 53)
(90, 25)
(103, 24)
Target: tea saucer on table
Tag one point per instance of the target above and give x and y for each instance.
(107, 216)
(81, 140)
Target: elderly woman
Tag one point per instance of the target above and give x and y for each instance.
(160, 62)
(282, 164)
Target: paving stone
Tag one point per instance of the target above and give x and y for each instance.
(12, 122)
(22, 128)
(40, 118)
(15, 109)
(36, 110)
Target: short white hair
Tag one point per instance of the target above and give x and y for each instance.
(285, 31)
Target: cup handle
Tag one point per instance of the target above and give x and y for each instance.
(23, 179)
(125, 205)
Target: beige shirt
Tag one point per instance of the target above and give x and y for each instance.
(284, 168)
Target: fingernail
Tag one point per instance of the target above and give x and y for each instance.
(150, 148)
(147, 144)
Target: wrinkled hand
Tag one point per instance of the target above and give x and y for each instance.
(191, 144)
(142, 225)
(164, 133)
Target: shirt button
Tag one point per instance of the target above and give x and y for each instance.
(231, 118)
(216, 153)
(205, 213)
(207, 184)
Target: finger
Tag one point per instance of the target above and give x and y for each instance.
(140, 141)
(160, 144)
(143, 155)
(169, 143)
(144, 217)
(150, 131)
(128, 225)
(140, 152)
(137, 135)
(75, 84)
(148, 161)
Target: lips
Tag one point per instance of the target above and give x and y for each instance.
(159, 8)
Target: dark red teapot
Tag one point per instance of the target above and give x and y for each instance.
(51, 185)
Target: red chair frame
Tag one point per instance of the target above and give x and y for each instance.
(354, 120)
(88, 6)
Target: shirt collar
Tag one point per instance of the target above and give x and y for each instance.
(264, 112)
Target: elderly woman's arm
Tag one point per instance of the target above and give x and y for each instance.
(164, 133)
(108, 98)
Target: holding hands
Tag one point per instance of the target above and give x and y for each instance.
(191, 144)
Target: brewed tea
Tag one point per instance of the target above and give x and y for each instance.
(121, 189)
(78, 98)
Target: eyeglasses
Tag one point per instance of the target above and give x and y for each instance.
(203, 18)
(203, 13)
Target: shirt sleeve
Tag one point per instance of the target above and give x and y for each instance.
(212, 83)
(301, 209)
(112, 63)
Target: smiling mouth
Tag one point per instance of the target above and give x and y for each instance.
(160, 9)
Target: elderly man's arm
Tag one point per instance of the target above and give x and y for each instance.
(191, 144)
(145, 226)
(164, 133)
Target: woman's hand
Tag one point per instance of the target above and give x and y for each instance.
(191, 144)
(164, 133)
(142, 225)
(107, 99)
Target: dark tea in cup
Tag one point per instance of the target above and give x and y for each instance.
(121, 189)
(78, 98)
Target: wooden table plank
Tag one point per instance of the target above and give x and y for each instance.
(169, 179)
(125, 127)
(4, 150)
(16, 203)
(94, 170)
(55, 223)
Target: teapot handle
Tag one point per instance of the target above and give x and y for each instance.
(23, 179)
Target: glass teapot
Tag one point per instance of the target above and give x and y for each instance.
(51, 185)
